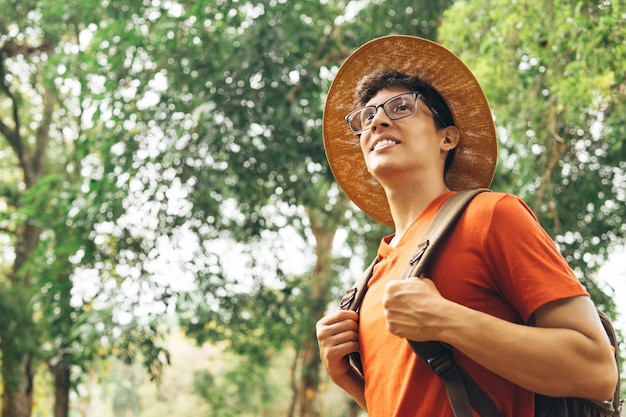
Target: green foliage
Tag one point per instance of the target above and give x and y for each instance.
(244, 390)
(141, 341)
(380, 18)
(65, 181)
(555, 90)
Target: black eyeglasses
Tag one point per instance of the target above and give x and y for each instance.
(397, 107)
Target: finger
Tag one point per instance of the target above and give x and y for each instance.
(325, 331)
(334, 325)
(339, 315)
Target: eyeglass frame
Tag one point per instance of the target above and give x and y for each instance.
(416, 94)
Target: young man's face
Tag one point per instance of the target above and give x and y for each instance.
(395, 148)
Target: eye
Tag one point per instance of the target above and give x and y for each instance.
(401, 106)
(367, 115)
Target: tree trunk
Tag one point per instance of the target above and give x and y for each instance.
(17, 399)
(309, 397)
(19, 340)
(321, 279)
(294, 385)
(61, 375)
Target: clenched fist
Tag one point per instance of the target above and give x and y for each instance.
(337, 335)
(415, 310)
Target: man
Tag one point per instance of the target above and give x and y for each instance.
(498, 291)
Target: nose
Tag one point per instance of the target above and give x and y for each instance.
(380, 118)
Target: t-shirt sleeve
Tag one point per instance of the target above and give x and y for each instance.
(527, 267)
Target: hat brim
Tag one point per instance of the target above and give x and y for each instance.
(475, 158)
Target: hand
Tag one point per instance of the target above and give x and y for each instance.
(414, 309)
(337, 335)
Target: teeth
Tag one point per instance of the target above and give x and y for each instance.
(384, 142)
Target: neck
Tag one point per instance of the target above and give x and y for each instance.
(407, 201)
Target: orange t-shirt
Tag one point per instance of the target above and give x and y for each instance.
(497, 260)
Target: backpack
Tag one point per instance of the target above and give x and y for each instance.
(463, 393)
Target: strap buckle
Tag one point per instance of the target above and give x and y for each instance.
(348, 298)
(443, 365)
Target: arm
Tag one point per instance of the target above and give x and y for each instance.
(566, 354)
(337, 335)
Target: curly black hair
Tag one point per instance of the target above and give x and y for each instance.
(371, 84)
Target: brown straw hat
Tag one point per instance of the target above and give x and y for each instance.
(475, 157)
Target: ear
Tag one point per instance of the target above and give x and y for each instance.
(451, 138)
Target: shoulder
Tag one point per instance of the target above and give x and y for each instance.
(492, 204)
(502, 221)
(500, 199)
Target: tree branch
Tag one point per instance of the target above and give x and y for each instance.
(43, 133)
(11, 135)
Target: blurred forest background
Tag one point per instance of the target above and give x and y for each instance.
(169, 228)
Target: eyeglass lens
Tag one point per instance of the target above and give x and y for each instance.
(395, 108)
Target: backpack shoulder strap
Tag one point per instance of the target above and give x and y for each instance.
(463, 392)
(352, 301)
(439, 227)
(354, 296)
(443, 221)
(610, 331)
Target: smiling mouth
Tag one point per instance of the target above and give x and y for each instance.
(383, 143)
